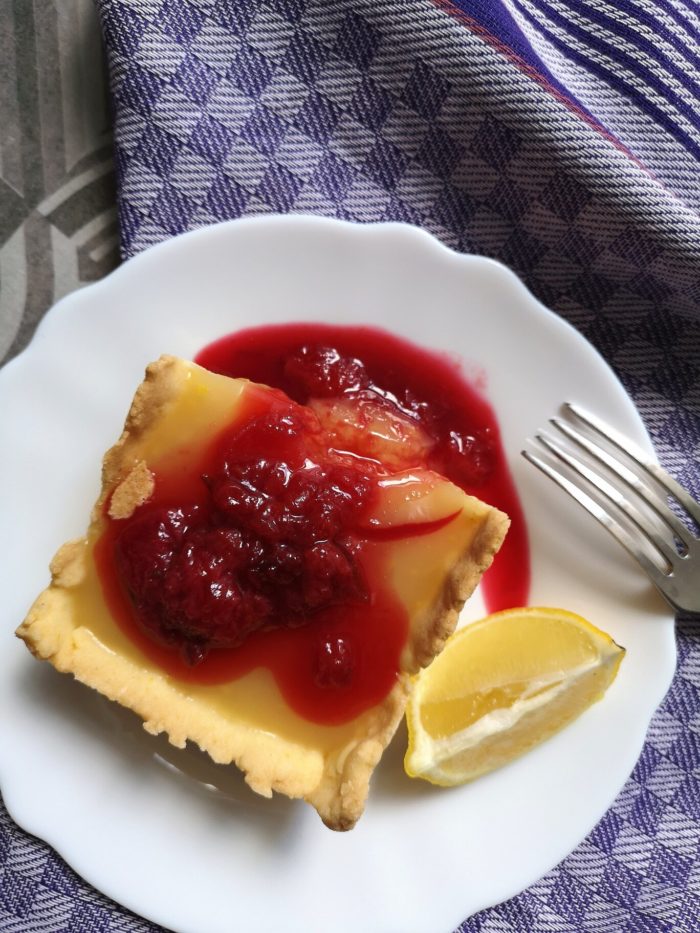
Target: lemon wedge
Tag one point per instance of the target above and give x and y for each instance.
(501, 686)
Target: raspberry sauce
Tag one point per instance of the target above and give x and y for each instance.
(262, 552)
(318, 361)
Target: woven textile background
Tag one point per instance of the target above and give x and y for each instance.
(560, 137)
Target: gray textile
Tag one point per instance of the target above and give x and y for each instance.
(58, 226)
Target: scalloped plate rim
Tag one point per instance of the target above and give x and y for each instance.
(68, 313)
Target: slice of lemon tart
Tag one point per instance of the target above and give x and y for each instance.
(249, 585)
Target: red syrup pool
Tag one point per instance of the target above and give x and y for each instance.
(321, 361)
(261, 552)
(193, 576)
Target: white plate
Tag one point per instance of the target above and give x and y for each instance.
(182, 841)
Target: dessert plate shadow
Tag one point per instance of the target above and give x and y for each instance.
(183, 842)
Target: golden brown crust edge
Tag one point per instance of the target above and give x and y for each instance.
(338, 786)
(160, 386)
(459, 587)
(440, 624)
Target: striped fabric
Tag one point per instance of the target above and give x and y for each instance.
(632, 64)
(560, 137)
(630, 67)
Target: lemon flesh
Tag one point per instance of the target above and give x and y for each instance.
(501, 686)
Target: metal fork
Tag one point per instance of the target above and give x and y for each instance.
(629, 495)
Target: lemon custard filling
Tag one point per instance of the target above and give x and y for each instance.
(319, 587)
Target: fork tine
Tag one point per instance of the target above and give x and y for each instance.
(632, 451)
(621, 535)
(614, 496)
(644, 491)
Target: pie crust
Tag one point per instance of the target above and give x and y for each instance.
(333, 775)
